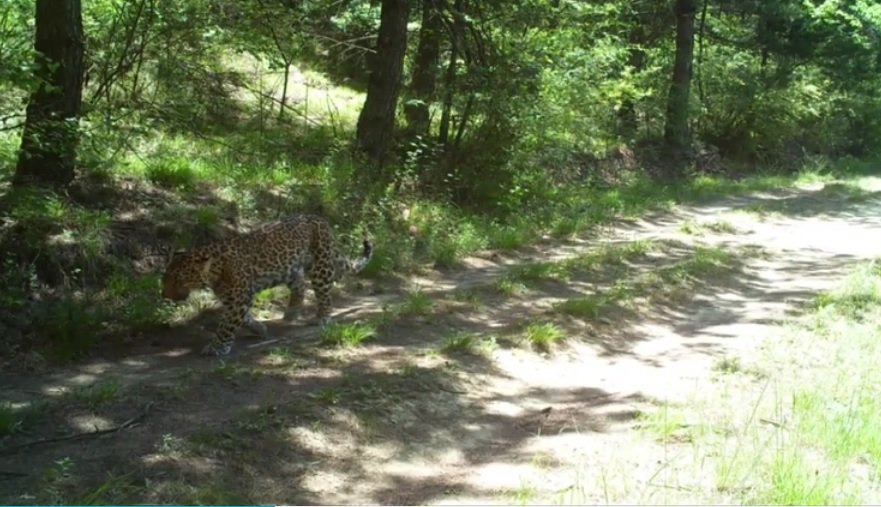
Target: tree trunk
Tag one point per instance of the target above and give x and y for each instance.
(676, 132)
(377, 119)
(450, 77)
(284, 90)
(424, 81)
(51, 133)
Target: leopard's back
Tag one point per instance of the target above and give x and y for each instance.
(273, 254)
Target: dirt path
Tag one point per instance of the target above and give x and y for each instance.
(397, 421)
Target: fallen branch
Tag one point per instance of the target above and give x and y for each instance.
(265, 342)
(134, 421)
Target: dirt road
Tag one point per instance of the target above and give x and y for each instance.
(486, 419)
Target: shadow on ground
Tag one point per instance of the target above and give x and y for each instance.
(399, 420)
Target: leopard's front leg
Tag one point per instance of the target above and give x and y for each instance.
(236, 312)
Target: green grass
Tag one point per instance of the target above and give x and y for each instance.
(622, 252)
(661, 424)
(543, 335)
(135, 301)
(851, 191)
(175, 174)
(98, 394)
(416, 304)
(721, 226)
(858, 294)
(524, 495)
(468, 296)
(728, 365)
(694, 228)
(15, 419)
(62, 485)
(10, 420)
(73, 325)
(513, 236)
(690, 227)
(463, 342)
(115, 489)
(566, 226)
(587, 307)
(347, 335)
(764, 211)
(267, 298)
(537, 271)
(509, 287)
(459, 343)
(702, 261)
(450, 240)
(794, 480)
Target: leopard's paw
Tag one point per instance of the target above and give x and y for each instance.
(218, 351)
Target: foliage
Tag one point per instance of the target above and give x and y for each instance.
(544, 121)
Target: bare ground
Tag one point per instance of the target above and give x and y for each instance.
(397, 421)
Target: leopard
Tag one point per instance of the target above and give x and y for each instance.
(283, 252)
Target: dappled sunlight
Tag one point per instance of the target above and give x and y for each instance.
(89, 422)
(318, 441)
(401, 418)
(176, 352)
(596, 247)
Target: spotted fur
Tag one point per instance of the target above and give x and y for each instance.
(280, 253)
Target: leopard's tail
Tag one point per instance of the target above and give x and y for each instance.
(357, 264)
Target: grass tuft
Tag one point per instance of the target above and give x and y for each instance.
(587, 307)
(662, 424)
(347, 335)
(417, 303)
(461, 342)
(543, 336)
(510, 287)
(15, 419)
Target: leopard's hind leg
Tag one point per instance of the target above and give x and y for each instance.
(256, 326)
(297, 286)
(321, 276)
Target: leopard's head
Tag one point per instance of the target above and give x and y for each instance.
(186, 271)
